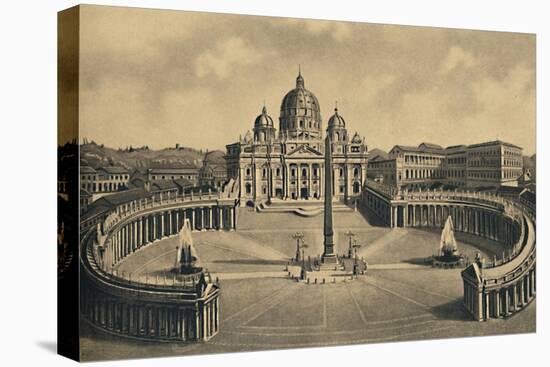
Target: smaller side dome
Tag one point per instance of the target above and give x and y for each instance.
(264, 119)
(336, 120)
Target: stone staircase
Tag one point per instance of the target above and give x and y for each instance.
(303, 208)
(331, 267)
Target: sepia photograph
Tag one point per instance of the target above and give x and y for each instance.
(233, 183)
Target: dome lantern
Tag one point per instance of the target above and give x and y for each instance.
(300, 79)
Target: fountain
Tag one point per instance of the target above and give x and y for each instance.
(448, 256)
(185, 258)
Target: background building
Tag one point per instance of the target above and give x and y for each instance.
(486, 165)
(104, 179)
(213, 172)
(494, 163)
(190, 173)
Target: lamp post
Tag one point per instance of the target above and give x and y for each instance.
(304, 246)
(350, 235)
(298, 236)
(355, 247)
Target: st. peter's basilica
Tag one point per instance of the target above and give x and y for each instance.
(289, 164)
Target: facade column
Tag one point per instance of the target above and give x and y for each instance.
(141, 230)
(135, 235)
(487, 305)
(514, 297)
(496, 299)
(154, 226)
(147, 231)
(506, 302)
(210, 218)
(523, 297)
(170, 225)
(479, 305)
(138, 233)
(320, 179)
(533, 282)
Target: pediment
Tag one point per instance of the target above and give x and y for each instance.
(304, 151)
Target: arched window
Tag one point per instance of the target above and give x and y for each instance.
(264, 172)
(248, 171)
(304, 172)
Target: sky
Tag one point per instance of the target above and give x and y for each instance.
(159, 77)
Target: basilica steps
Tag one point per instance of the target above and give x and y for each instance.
(303, 208)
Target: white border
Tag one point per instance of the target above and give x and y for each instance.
(28, 83)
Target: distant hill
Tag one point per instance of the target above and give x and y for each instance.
(141, 158)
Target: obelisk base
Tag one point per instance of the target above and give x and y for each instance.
(331, 259)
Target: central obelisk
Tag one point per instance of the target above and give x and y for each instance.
(328, 252)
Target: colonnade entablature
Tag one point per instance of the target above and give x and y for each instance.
(493, 288)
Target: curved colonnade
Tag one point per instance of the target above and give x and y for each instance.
(181, 308)
(495, 288)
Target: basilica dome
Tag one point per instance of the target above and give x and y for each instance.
(300, 113)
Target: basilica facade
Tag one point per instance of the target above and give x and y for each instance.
(288, 164)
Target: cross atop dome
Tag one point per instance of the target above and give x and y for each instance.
(299, 79)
